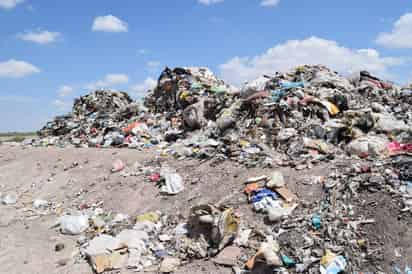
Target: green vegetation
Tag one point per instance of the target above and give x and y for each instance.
(15, 136)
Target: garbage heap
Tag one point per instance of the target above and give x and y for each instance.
(297, 118)
(94, 121)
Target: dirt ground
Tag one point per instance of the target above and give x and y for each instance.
(27, 240)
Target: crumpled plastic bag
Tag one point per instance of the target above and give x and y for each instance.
(73, 225)
(173, 181)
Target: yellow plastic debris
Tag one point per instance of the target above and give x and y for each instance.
(151, 217)
(327, 258)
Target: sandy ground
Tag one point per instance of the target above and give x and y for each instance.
(27, 240)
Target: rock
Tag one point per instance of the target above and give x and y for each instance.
(276, 180)
(169, 264)
(228, 256)
(73, 225)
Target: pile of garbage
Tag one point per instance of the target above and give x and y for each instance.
(298, 118)
(94, 121)
(360, 125)
(332, 235)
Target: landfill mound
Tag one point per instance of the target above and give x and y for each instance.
(358, 128)
(300, 117)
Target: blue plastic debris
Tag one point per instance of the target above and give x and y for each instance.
(316, 221)
(288, 262)
(290, 85)
(263, 193)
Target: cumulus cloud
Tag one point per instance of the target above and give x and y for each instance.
(142, 51)
(65, 91)
(17, 69)
(9, 4)
(61, 105)
(109, 23)
(312, 50)
(39, 37)
(269, 3)
(144, 86)
(110, 80)
(401, 34)
(209, 2)
(153, 64)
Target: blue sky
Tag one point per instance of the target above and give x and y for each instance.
(54, 51)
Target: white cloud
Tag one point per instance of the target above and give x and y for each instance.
(144, 86)
(16, 69)
(110, 80)
(401, 35)
(153, 64)
(269, 3)
(64, 91)
(40, 37)
(109, 23)
(209, 2)
(9, 4)
(313, 50)
(142, 51)
(61, 105)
